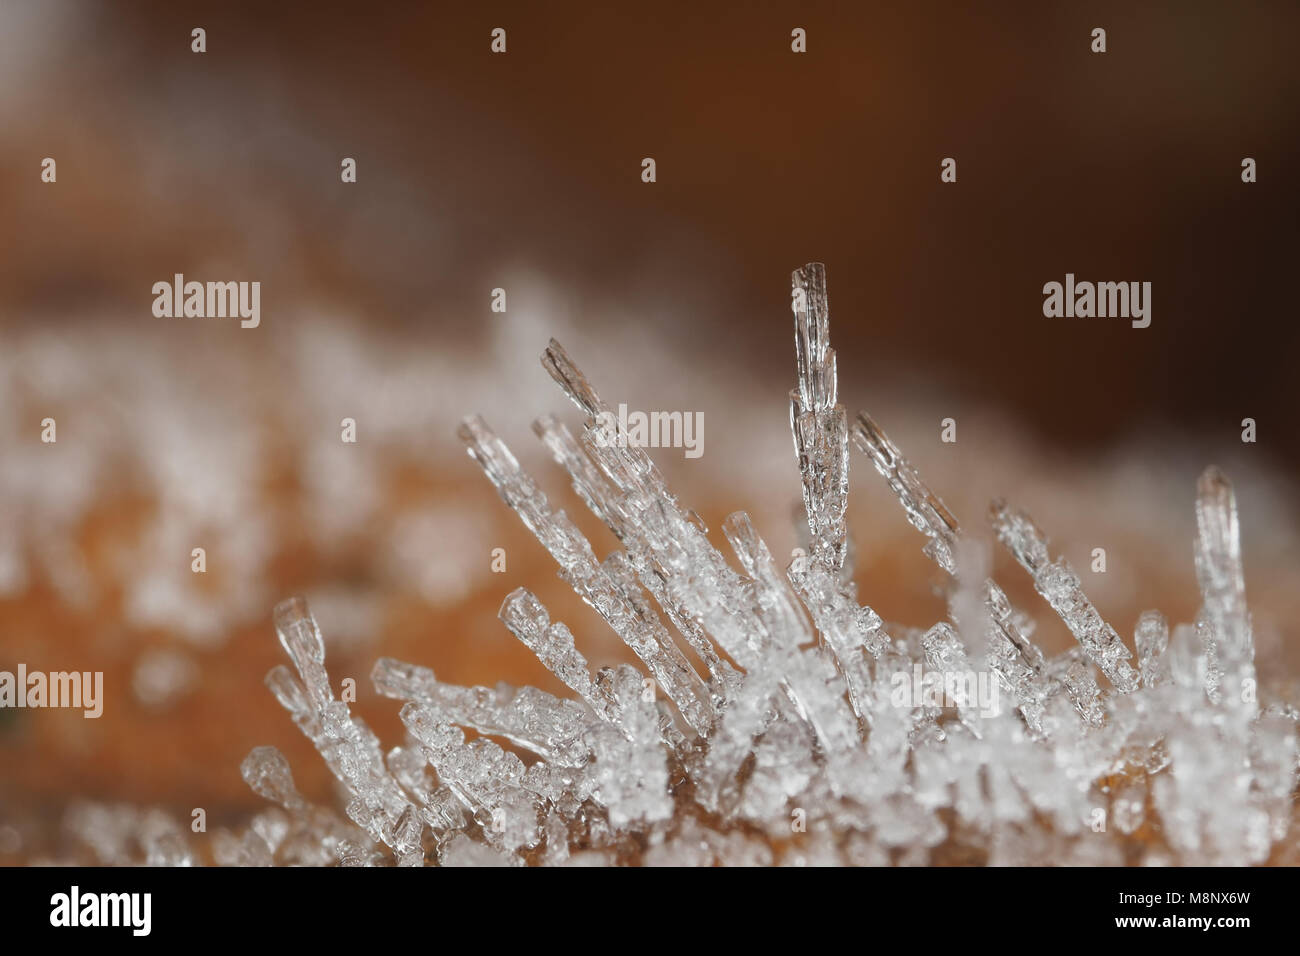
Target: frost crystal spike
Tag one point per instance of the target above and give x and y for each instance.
(810, 733)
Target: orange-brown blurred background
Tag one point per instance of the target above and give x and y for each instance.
(522, 171)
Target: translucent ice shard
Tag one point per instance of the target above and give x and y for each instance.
(982, 611)
(643, 633)
(1152, 638)
(820, 429)
(554, 647)
(667, 545)
(1223, 587)
(548, 726)
(642, 559)
(348, 746)
(488, 779)
(1057, 582)
(1218, 562)
(924, 510)
(817, 421)
(267, 772)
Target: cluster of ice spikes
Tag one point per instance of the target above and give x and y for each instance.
(796, 735)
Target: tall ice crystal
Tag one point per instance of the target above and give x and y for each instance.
(774, 717)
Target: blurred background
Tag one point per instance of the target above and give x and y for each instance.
(522, 171)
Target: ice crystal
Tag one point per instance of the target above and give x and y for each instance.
(794, 732)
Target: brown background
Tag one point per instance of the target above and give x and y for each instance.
(1122, 166)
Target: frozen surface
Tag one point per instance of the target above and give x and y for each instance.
(775, 718)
